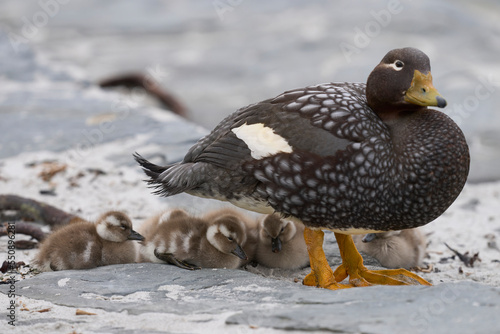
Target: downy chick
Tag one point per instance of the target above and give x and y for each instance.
(250, 228)
(281, 244)
(85, 245)
(395, 249)
(193, 243)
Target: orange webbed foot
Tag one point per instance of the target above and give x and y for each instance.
(352, 266)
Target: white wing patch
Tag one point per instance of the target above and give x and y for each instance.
(186, 243)
(87, 252)
(261, 140)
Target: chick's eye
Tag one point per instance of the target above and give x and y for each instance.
(282, 229)
(123, 227)
(399, 64)
(230, 238)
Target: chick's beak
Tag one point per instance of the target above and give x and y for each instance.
(239, 252)
(276, 245)
(422, 92)
(135, 236)
(369, 237)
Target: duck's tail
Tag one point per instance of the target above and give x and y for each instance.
(171, 179)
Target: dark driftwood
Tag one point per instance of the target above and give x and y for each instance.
(24, 228)
(31, 210)
(10, 266)
(25, 244)
(151, 86)
(465, 258)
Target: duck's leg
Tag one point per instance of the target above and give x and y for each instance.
(169, 258)
(321, 274)
(352, 266)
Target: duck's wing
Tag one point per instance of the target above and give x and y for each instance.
(320, 120)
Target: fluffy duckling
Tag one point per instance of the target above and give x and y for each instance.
(395, 249)
(281, 244)
(85, 245)
(250, 228)
(189, 242)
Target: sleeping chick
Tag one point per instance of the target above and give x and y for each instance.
(251, 228)
(189, 242)
(281, 244)
(84, 245)
(395, 249)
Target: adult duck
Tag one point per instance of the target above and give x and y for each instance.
(352, 158)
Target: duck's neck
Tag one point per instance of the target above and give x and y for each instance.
(414, 144)
(394, 116)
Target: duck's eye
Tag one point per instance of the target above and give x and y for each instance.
(230, 238)
(397, 65)
(123, 227)
(282, 229)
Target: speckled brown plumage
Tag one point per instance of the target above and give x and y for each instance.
(377, 163)
(373, 184)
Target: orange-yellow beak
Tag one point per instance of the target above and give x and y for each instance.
(422, 92)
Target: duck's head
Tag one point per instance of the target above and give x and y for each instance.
(116, 226)
(227, 234)
(402, 81)
(275, 231)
